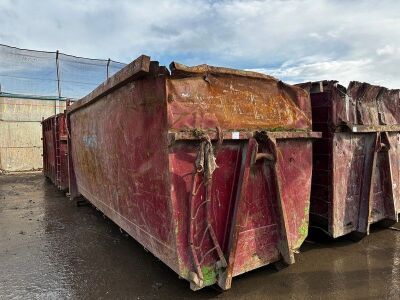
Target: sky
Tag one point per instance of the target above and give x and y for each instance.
(293, 40)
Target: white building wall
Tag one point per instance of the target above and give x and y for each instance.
(21, 132)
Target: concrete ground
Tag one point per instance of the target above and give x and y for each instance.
(52, 249)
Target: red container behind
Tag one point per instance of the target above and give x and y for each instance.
(356, 163)
(208, 168)
(55, 150)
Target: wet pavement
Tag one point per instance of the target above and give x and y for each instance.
(52, 249)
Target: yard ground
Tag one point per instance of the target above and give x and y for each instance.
(52, 249)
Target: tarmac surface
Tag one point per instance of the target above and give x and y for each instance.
(52, 249)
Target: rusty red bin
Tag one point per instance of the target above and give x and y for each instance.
(55, 150)
(208, 168)
(356, 163)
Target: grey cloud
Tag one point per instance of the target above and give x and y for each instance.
(294, 40)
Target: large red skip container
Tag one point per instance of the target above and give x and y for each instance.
(356, 163)
(208, 168)
(55, 150)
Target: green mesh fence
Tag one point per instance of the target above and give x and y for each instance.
(51, 74)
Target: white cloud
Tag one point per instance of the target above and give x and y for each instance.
(387, 50)
(295, 40)
(345, 70)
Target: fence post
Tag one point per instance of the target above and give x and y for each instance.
(57, 104)
(108, 65)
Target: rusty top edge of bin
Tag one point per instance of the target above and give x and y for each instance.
(361, 107)
(327, 85)
(321, 86)
(51, 117)
(207, 97)
(143, 66)
(372, 128)
(178, 69)
(366, 85)
(47, 119)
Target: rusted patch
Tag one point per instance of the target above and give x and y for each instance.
(180, 70)
(207, 97)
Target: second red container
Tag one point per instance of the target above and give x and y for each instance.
(55, 150)
(356, 163)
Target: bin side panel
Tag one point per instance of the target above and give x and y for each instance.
(365, 96)
(321, 181)
(295, 165)
(384, 201)
(45, 154)
(64, 182)
(49, 162)
(257, 217)
(343, 107)
(394, 139)
(257, 221)
(388, 104)
(375, 104)
(120, 160)
(63, 152)
(232, 102)
(182, 158)
(324, 117)
(392, 107)
(381, 193)
(352, 160)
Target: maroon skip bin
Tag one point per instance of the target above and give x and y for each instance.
(55, 150)
(356, 163)
(208, 168)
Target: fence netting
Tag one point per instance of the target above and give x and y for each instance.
(38, 73)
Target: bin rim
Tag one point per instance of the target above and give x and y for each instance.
(240, 134)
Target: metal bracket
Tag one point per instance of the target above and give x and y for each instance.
(225, 278)
(271, 161)
(381, 144)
